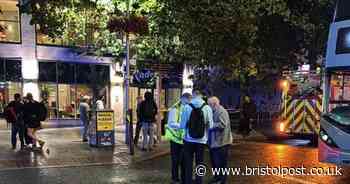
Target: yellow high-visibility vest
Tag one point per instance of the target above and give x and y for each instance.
(172, 134)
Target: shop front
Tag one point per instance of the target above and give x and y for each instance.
(64, 84)
(164, 82)
(11, 81)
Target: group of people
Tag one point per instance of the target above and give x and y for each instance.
(25, 116)
(194, 124)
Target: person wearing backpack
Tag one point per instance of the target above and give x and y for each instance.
(175, 136)
(148, 112)
(220, 138)
(14, 116)
(196, 120)
(33, 115)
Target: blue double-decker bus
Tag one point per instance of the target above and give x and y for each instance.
(334, 135)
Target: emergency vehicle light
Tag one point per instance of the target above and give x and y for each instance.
(281, 127)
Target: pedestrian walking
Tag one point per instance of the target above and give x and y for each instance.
(84, 109)
(175, 136)
(220, 138)
(34, 113)
(148, 112)
(14, 116)
(196, 119)
(139, 122)
(248, 114)
(28, 141)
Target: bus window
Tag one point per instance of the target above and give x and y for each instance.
(342, 12)
(339, 91)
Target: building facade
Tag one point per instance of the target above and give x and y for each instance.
(31, 62)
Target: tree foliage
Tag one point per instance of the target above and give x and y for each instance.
(251, 38)
(244, 38)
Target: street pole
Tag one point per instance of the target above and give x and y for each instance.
(126, 82)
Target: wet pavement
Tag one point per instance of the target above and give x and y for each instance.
(157, 170)
(71, 161)
(64, 148)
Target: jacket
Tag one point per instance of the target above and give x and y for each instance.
(174, 119)
(84, 111)
(18, 108)
(148, 111)
(208, 117)
(220, 135)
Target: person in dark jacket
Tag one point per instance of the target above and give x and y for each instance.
(248, 114)
(139, 123)
(148, 112)
(32, 119)
(16, 109)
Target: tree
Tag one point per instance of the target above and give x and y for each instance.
(84, 23)
(244, 40)
(253, 39)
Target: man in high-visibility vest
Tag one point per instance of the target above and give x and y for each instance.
(175, 136)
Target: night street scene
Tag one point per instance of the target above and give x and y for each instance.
(174, 91)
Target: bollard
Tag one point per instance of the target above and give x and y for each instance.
(131, 133)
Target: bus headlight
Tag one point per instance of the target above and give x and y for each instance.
(326, 139)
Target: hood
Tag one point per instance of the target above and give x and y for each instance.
(148, 96)
(197, 102)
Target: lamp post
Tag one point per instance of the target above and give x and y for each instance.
(126, 81)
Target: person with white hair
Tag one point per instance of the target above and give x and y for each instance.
(84, 116)
(220, 138)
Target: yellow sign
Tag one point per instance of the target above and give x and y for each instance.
(105, 121)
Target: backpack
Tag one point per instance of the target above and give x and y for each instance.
(10, 114)
(196, 124)
(149, 111)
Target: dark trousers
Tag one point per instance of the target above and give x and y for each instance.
(137, 132)
(218, 158)
(177, 162)
(17, 129)
(244, 126)
(193, 150)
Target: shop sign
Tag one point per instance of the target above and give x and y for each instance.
(144, 77)
(102, 131)
(105, 121)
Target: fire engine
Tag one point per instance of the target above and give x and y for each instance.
(301, 103)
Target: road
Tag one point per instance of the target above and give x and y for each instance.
(242, 155)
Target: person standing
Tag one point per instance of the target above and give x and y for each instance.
(196, 119)
(138, 123)
(33, 114)
(220, 138)
(175, 136)
(148, 112)
(84, 117)
(248, 114)
(14, 115)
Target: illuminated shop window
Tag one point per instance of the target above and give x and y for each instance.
(9, 21)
